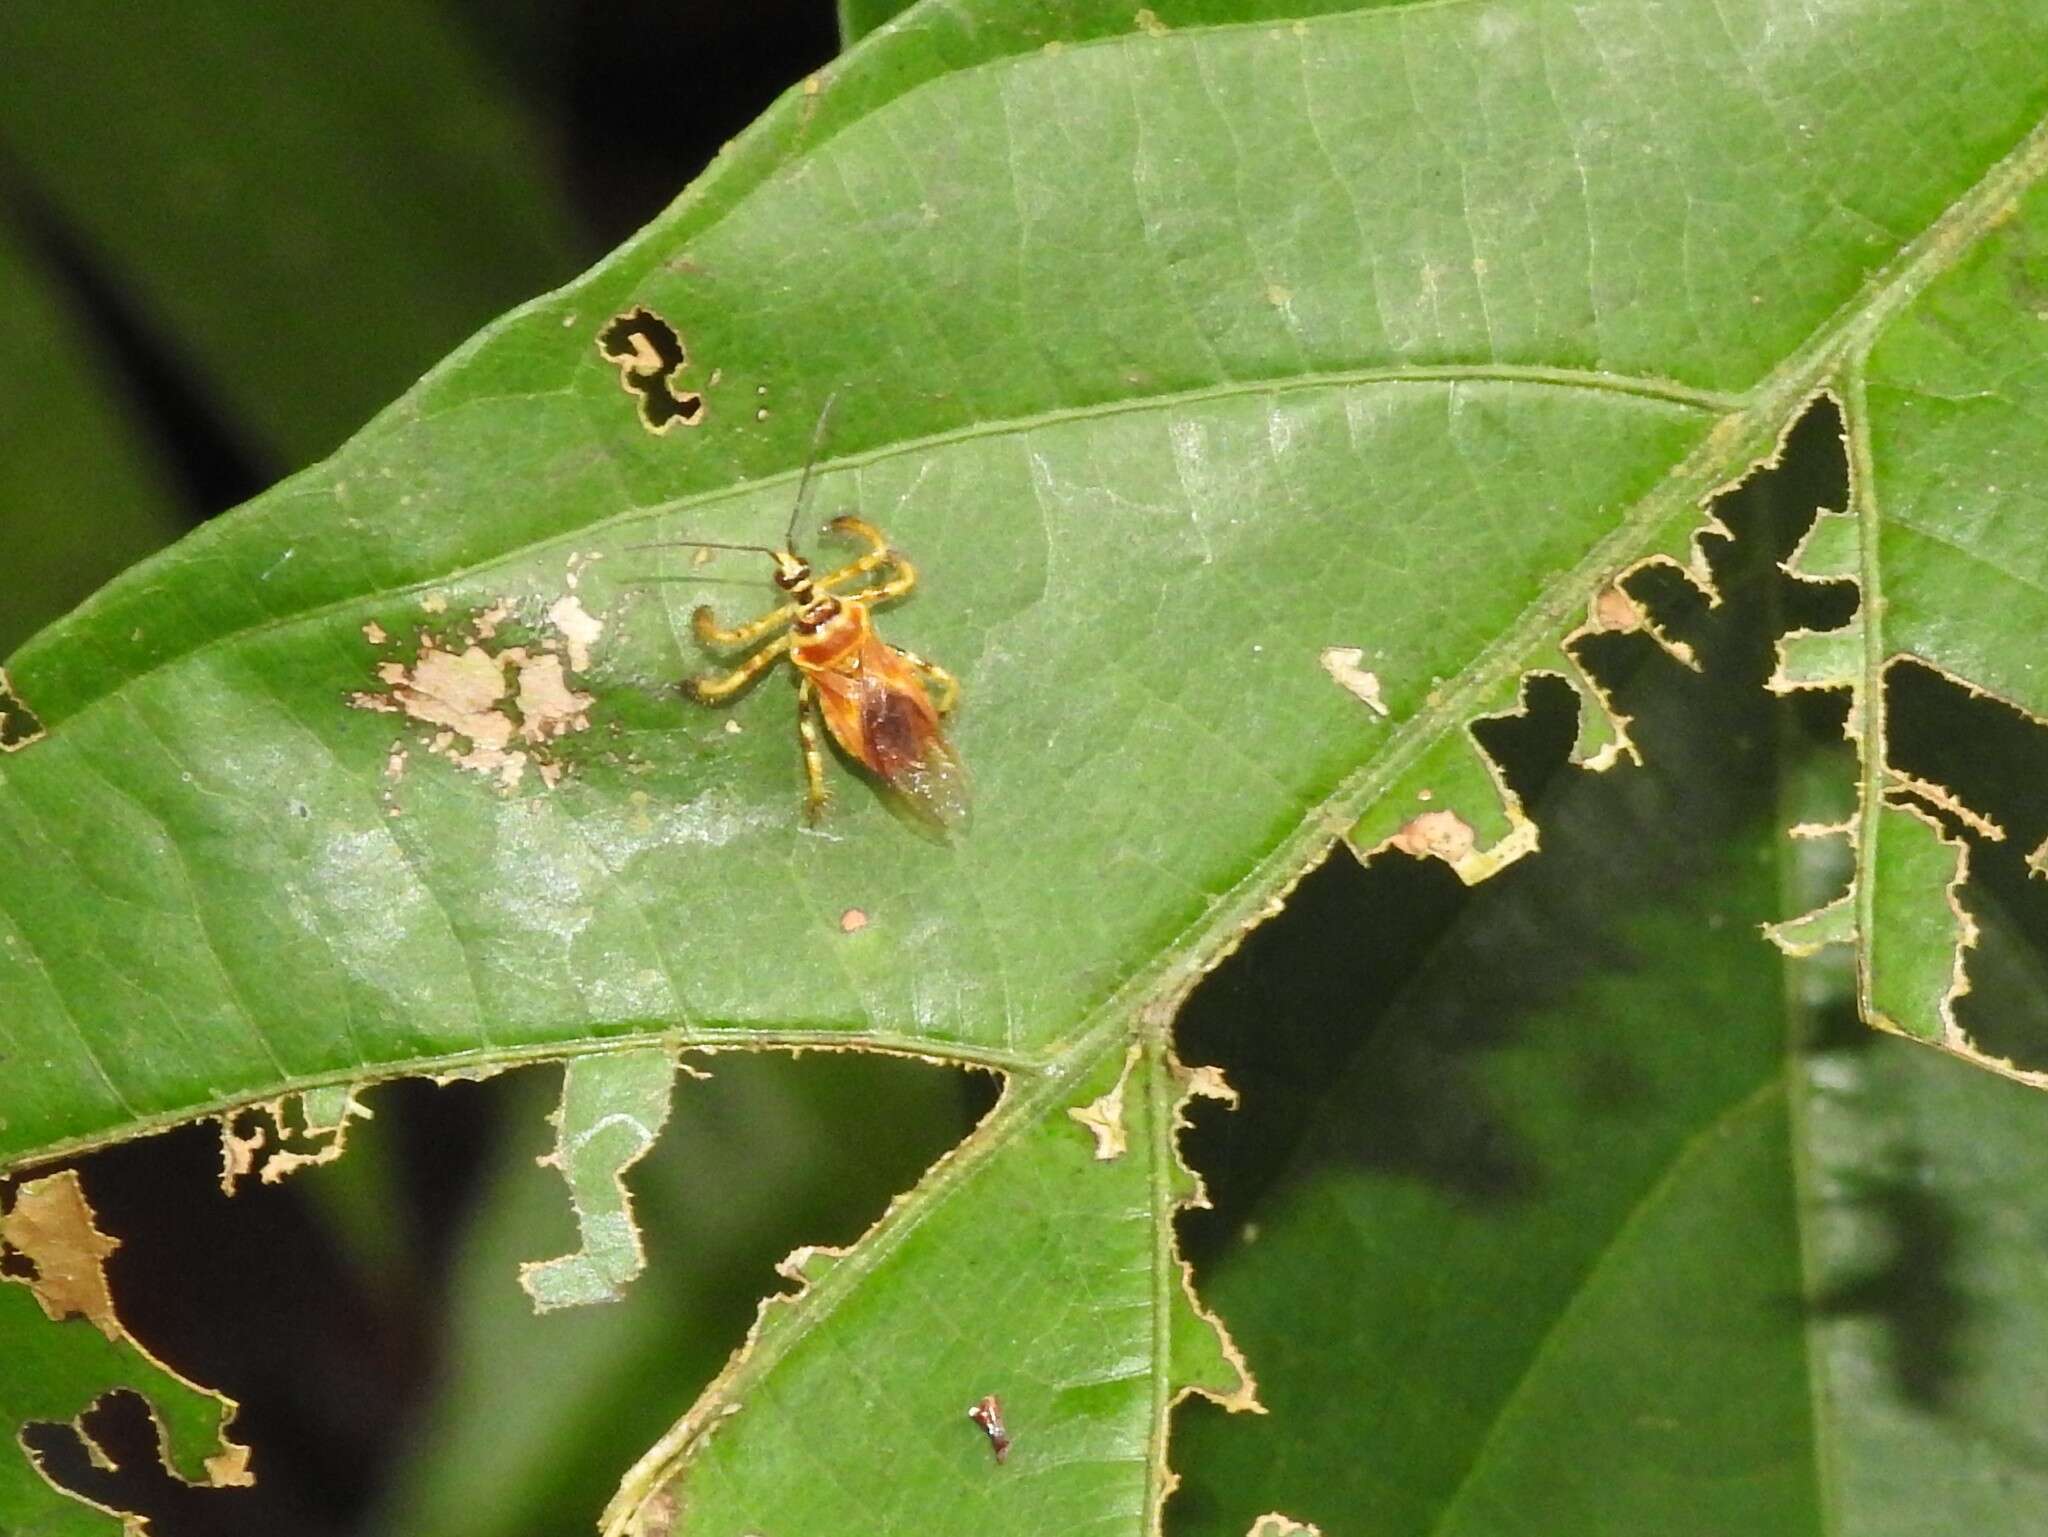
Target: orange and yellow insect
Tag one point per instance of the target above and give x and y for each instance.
(871, 694)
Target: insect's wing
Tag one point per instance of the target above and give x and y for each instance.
(881, 714)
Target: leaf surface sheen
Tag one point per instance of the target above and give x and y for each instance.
(1406, 329)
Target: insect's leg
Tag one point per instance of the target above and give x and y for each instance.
(878, 553)
(947, 685)
(710, 688)
(897, 585)
(815, 793)
(746, 634)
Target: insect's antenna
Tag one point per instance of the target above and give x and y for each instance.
(702, 544)
(803, 485)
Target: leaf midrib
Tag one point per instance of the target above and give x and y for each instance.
(1537, 375)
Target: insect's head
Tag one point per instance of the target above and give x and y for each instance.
(792, 572)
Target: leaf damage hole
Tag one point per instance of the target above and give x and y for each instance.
(113, 1456)
(1988, 753)
(18, 723)
(57, 1252)
(649, 353)
(1975, 764)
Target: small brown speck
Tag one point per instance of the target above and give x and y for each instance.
(373, 632)
(852, 921)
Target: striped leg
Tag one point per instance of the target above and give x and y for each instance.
(897, 585)
(711, 688)
(878, 553)
(815, 793)
(740, 634)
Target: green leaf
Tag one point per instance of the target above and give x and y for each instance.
(63, 427)
(370, 226)
(1322, 343)
(613, 1108)
(857, 18)
(1941, 538)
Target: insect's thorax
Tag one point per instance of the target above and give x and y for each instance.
(829, 634)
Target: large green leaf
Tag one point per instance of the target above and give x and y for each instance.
(1189, 353)
(303, 249)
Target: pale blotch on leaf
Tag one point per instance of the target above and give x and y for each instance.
(1104, 1115)
(1273, 1524)
(579, 629)
(496, 711)
(1341, 663)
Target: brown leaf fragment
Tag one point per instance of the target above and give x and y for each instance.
(1442, 834)
(50, 1225)
(1614, 610)
(302, 1131)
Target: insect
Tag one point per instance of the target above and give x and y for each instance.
(871, 694)
(988, 1414)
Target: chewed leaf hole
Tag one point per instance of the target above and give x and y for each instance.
(337, 1352)
(1990, 755)
(114, 1459)
(18, 723)
(649, 353)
